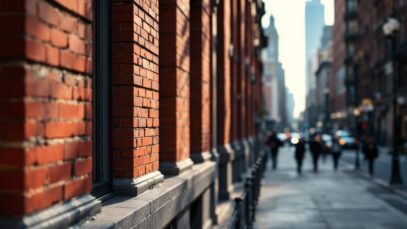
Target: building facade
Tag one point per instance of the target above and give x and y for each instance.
(336, 82)
(373, 63)
(322, 75)
(126, 113)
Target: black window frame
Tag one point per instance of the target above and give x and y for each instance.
(102, 97)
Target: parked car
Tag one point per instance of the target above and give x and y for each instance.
(282, 137)
(346, 140)
(327, 140)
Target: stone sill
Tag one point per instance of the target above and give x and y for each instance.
(157, 207)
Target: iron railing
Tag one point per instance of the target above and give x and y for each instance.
(244, 213)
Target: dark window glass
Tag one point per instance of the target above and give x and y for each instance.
(102, 99)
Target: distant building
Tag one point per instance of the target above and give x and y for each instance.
(290, 107)
(274, 80)
(322, 114)
(314, 22)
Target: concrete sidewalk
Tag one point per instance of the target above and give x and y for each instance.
(329, 199)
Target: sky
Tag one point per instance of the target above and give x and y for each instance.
(290, 22)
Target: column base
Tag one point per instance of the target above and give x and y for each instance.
(237, 162)
(252, 154)
(175, 168)
(245, 159)
(200, 157)
(226, 158)
(59, 216)
(214, 154)
(136, 186)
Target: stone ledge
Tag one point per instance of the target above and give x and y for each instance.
(157, 207)
(134, 187)
(175, 168)
(58, 216)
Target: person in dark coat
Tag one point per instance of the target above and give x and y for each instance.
(371, 153)
(300, 154)
(316, 150)
(274, 144)
(336, 151)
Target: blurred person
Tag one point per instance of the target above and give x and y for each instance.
(336, 151)
(371, 153)
(300, 154)
(316, 150)
(274, 144)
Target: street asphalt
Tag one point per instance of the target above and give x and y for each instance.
(328, 199)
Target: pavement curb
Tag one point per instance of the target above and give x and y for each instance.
(375, 179)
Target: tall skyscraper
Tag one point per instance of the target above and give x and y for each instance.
(314, 23)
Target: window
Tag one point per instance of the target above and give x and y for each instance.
(102, 99)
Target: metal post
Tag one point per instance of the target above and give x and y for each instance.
(359, 144)
(238, 207)
(248, 202)
(395, 171)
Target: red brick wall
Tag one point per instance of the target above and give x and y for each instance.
(234, 70)
(174, 70)
(135, 88)
(46, 95)
(224, 73)
(240, 81)
(200, 76)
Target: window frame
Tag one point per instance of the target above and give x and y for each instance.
(102, 163)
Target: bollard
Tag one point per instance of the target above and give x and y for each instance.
(238, 205)
(249, 202)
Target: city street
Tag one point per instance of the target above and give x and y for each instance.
(382, 166)
(342, 199)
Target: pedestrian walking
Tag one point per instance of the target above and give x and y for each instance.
(371, 153)
(336, 151)
(300, 154)
(316, 150)
(274, 144)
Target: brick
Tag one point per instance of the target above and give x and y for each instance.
(77, 187)
(52, 56)
(76, 44)
(73, 61)
(59, 38)
(64, 129)
(69, 24)
(77, 148)
(71, 111)
(41, 155)
(60, 172)
(43, 199)
(48, 13)
(69, 4)
(82, 167)
(35, 51)
(37, 29)
(35, 178)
